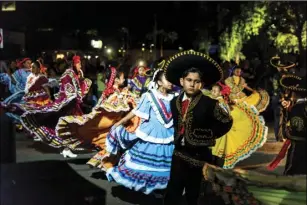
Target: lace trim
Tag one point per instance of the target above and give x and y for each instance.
(158, 111)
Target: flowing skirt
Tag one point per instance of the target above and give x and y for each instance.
(260, 100)
(42, 122)
(247, 134)
(100, 141)
(91, 128)
(144, 166)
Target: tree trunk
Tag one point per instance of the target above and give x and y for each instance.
(161, 46)
(238, 58)
(301, 57)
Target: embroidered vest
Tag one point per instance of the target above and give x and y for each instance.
(205, 121)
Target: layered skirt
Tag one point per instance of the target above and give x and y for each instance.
(144, 165)
(247, 134)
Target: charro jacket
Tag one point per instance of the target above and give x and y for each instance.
(204, 122)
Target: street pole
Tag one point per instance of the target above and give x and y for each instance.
(154, 51)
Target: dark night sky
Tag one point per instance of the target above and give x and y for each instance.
(109, 17)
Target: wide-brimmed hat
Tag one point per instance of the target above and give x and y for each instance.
(161, 64)
(294, 83)
(176, 65)
(278, 63)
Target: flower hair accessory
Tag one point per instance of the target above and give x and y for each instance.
(153, 84)
(225, 91)
(42, 68)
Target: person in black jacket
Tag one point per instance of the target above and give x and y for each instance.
(295, 127)
(278, 92)
(198, 121)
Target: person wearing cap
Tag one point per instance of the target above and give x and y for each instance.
(294, 128)
(198, 122)
(282, 69)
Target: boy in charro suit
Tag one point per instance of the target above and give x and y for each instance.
(198, 121)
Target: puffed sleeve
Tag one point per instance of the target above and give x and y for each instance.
(222, 121)
(142, 110)
(85, 85)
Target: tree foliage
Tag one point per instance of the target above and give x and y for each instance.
(287, 26)
(252, 18)
(203, 41)
(284, 24)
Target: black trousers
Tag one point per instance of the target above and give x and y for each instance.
(276, 109)
(183, 176)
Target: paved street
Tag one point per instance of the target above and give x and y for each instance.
(27, 151)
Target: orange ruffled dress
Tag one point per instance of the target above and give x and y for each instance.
(93, 128)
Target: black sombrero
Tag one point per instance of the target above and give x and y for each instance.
(294, 83)
(276, 62)
(176, 65)
(161, 64)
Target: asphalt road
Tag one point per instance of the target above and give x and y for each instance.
(28, 152)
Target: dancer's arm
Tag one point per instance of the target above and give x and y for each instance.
(248, 88)
(124, 120)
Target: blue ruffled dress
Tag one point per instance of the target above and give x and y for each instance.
(17, 90)
(146, 163)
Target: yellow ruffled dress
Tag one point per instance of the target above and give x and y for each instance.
(260, 99)
(247, 134)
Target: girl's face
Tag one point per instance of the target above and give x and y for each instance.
(27, 64)
(34, 69)
(141, 71)
(78, 66)
(121, 80)
(237, 72)
(165, 83)
(216, 91)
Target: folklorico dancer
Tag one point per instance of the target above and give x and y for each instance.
(36, 93)
(147, 152)
(16, 84)
(260, 99)
(278, 91)
(41, 121)
(294, 126)
(91, 129)
(198, 121)
(247, 134)
(139, 81)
